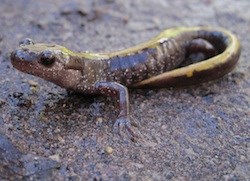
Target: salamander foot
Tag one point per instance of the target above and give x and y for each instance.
(123, 125)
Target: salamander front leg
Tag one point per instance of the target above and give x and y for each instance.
(121, 92)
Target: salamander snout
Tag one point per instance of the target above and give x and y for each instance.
(22, 52)
(22, 55)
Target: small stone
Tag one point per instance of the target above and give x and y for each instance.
(32, 83)
(109, 150)
(55, 157)
(61, 140)
(57, 130)
(99, 120)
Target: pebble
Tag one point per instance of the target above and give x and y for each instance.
(109, 150)
(32, 83)
(55, 157)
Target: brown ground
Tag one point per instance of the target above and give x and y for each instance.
(193, 133)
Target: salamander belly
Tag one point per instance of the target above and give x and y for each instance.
(146, 63)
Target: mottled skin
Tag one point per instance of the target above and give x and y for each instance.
(157, 63)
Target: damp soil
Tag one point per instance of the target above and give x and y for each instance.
(191, 133)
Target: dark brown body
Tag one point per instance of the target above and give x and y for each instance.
(132, 69)
(162, 61)
(146, 63)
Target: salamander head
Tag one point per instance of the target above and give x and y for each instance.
(46, 61)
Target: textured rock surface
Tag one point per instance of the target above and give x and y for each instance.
(193, 133)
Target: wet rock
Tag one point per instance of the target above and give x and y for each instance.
(10, 165)
(193, 133)
(16, 165)
(38, 167)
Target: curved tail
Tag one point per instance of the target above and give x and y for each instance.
(226, 43)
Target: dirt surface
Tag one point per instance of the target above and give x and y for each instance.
(193, 133)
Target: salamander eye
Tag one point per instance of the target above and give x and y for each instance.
(47, 58)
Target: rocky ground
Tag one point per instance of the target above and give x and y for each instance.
(193, 133)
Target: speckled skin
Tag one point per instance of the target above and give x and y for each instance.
(130, 69)
(110, 74)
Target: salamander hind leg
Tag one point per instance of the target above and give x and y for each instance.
(198, 50)
(114, 89)
(202, 46)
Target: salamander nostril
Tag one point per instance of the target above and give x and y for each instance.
(19, 55)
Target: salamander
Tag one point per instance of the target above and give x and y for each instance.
(157, 63)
